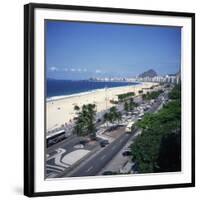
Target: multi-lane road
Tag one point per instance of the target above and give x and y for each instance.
(100, 160)
(96, 162)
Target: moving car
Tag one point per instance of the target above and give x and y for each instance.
(79, 146)
(130, 127)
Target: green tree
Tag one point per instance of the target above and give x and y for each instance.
(106, 118)
(176, 92)
(125, 96)
(76, 108)
(118, 116)
(140, 91)
(85, 123)
(113, 115)
(126, 106)
(170, 148)
(130, 105)
(157, 149)
(151, 95)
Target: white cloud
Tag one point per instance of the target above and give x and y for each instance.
(53, 68)
(78, 70)
(98, 71)
(66, 69)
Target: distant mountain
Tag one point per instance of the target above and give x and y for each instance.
(149, 73)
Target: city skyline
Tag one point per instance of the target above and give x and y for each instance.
(78, 51)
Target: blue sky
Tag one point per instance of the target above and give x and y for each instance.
(76, 50)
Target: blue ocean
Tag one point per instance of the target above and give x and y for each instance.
(56, 88)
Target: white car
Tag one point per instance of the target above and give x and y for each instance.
(79, 146)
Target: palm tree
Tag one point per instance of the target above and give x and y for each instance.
(131, 104)
(105, 117)
(119, 116)
(79, 128)
(76, 108)
(112, 116)
(91, 110)
(85, 121)
(91, 119)
(140, 91)
(126, 107)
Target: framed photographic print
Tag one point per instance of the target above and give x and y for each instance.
(108, 99)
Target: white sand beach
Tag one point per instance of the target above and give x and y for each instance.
(61, 111)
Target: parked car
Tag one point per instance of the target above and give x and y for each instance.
(135, 112)
(112, 128)
(109, 173)
(84, 142)
(103, 143)
(141, 114)
(98, 120)
(127, 153)
(135, 168)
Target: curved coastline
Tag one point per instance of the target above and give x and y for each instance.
(60, 109)
(60, 97)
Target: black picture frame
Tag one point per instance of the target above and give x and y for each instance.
(29, 94)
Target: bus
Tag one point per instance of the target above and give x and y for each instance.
(55, 137)
(130, 127)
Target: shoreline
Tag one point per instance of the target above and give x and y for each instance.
(60, 111)
(59, 97)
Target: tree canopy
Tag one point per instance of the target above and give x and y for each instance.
(113, 115)
(151, 95)
(125, 96)
(85, 124)
(129, 105)
(158, 148)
